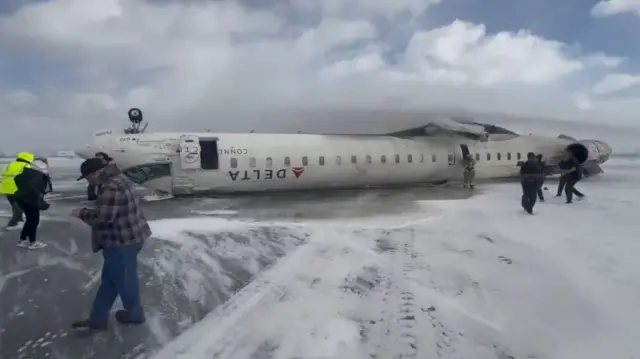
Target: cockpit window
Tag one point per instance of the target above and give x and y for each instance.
(148, 172)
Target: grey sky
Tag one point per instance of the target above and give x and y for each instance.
(71, 67)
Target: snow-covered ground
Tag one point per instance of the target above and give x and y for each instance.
(470, 279)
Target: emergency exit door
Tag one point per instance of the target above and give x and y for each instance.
(190, 153)
(465, 151)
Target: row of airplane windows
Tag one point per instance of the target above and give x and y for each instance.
(369, 160)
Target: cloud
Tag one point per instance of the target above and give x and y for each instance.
(606, 8)
(228, 65)
(615, 82)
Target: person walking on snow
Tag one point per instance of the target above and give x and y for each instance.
(32, 186)
(469, 171)
(119, 229)
(530, 177)
(8, 186)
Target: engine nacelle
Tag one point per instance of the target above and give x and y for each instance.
(579, 151)
(590, 150)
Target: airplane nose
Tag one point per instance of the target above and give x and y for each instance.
(85, 153)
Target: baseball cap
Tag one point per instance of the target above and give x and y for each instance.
(90, 166)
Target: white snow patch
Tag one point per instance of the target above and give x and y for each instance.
(476, 278)
(218, 212)
(157, 197)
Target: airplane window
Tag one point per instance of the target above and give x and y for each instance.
(368, 159)
(354, 159)
(305, 161)
(508, 156)
(518, 156)
(383, 159)
(269, 162)
(287, 161)
(498, 156)
(477, 157)
(338, 160)
(397, 158)
(410, 158)
(488, 157)
(421, 157)
(433, 158)
(321, 160)
(252, 162)
(234, 163)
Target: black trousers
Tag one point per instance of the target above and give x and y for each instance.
(561, 183)
(30, 229)
(570, 189)
(16, 212)
(529, 194)
(540, 194)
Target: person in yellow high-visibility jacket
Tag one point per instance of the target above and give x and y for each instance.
(8, 186)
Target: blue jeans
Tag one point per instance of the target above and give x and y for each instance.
(119, 277)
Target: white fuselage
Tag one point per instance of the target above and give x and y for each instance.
(187, 163)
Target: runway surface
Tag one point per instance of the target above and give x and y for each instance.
(43, 291)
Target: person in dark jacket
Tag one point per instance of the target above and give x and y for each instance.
(530, 178)
(31, 185)
(118, 229)
(542, 165)
(93, 189)
(572, 176)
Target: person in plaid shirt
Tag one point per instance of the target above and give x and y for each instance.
(118, 229)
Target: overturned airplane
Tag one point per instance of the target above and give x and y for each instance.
(185, 163)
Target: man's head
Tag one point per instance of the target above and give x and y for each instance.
(91, 170)
(104, 157)
(531, 156)
(539, 157)
(25, 156)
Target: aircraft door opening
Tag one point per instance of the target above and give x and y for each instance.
(465, 150)
(190, 153)
(209, 154)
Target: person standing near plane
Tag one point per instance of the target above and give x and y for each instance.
(542, 174)
(8, 186)
(32, 185)
(530, 178)
(92, 190)
(469, 171)
(118, 229)
(573, 175)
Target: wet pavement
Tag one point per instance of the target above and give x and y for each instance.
(43, 291)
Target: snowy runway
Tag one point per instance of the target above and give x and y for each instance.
(473, 278)
(370, 274)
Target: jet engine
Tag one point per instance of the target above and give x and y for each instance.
(590, 153)
(579, 151)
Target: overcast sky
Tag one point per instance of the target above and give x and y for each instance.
(70, 67)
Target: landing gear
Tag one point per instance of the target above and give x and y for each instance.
(135, 117)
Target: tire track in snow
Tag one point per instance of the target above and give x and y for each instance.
(408, 325)
(402, 331)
